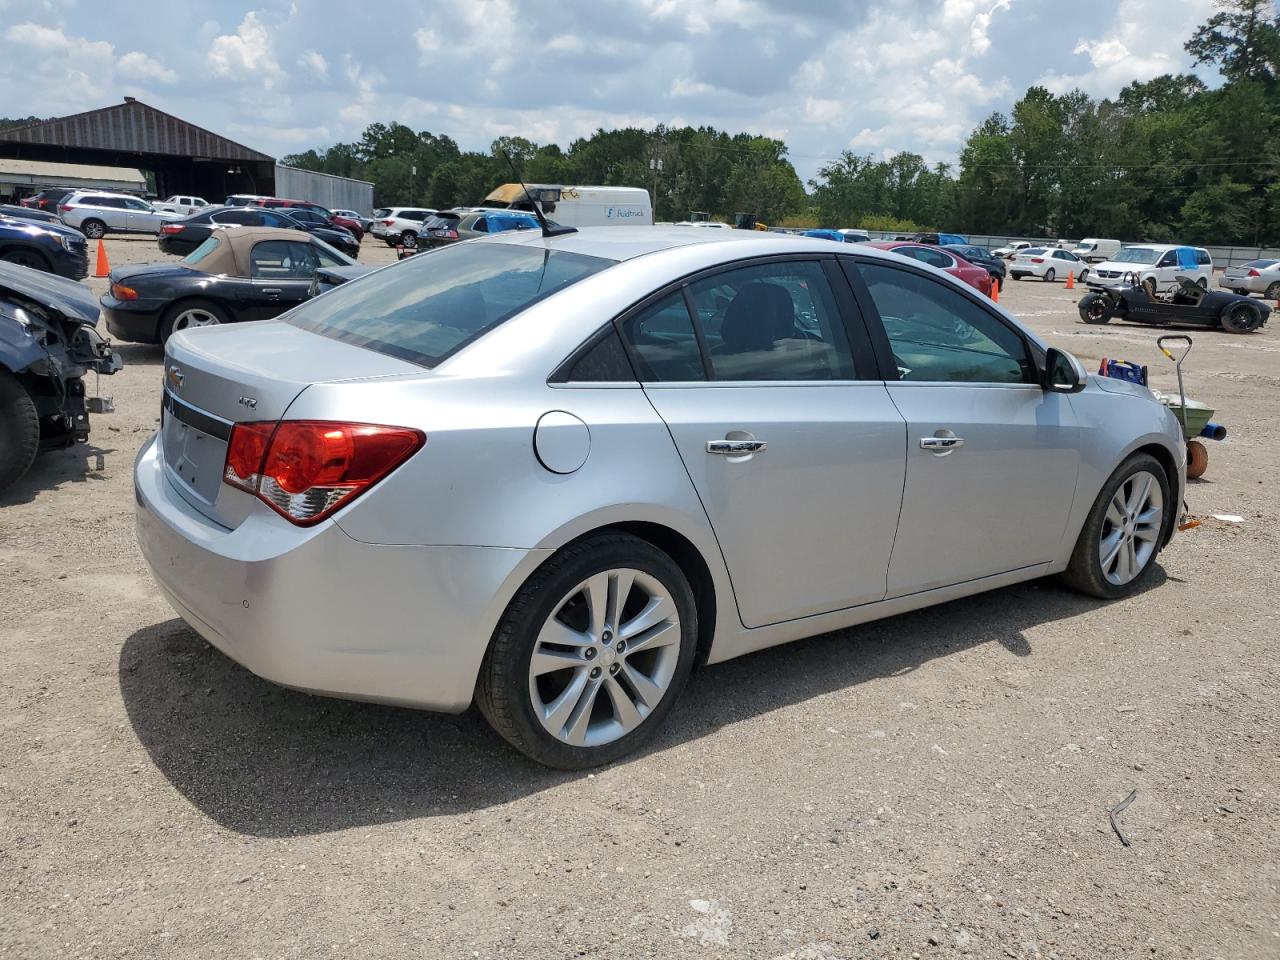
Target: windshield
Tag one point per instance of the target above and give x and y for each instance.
(427, 308)
(1136, 255)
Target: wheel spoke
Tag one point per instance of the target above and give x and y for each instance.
(663, 635)
(1140, 487)
(556, 714)
(549, 661)
(580, 719)
(597, 594)
(655, 611)
(1111, 548)
(1116, 511)
(620, 582)
(1131, 557)
(556, 633)
(623, 709)
(648, 691)
(1122, 570)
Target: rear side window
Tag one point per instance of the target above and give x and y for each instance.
(1203, 258)
(202, 251)
(427, 308)
(244, 218)
(664, 342)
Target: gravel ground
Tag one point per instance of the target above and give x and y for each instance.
(932, 785)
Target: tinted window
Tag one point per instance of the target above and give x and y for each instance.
(1203, 258)
(431, 306)
(413, 215)
(1168, 260)
(938, 334)
(606, 362)
(282, 260)
(773, 322)
(480, 225)
(663, 342)
(935, 258)
(245, 217)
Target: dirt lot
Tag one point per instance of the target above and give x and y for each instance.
(932, 785)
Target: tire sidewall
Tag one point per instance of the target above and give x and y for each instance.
(1085, 568)
(94, 229)
(1229, 324)
(19, 430)
(530, 609)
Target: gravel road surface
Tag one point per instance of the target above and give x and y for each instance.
(932, 785)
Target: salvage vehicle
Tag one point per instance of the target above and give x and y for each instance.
(1256, 276)
(326, 278)
(95, 214)
(47, 199)
(28, 213)
(321, 214)
(185, 205)
(400, 225)
(1011, 249)
(548, 471)
(453, 226)
(48, 342)
(577, 206)
(1158, 267)
(1047, 263)
(979, 257)
(249, 273)
(1190, 304)
(50, 247)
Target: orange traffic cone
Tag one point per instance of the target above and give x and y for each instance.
(103, 268)
(995, 290)
(1071, 279)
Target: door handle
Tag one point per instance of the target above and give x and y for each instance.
(272, 291)
(941, 444)
(732, 447)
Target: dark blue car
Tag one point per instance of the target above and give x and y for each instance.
(50, 247)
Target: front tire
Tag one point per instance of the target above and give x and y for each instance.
(1273, 291)
(591, 653)
(1122, 536)
(1095, 309)
(19, 430)
(1084, 275)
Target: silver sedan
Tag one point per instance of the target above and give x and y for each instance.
(1257, 276)
(550, 474)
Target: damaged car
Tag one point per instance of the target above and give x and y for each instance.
(48, 343)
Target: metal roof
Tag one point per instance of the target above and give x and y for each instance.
(40, 173)
(133, 127)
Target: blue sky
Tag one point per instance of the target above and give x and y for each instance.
(874, 76)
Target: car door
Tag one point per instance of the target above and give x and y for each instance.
(280, 273)
(140, 217)
(110, 210)
(795, 448)
(991, 457)
(1166, 269)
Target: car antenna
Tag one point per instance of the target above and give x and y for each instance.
(547, 229)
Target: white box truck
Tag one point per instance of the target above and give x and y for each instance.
(578, 206)
(1096, 251)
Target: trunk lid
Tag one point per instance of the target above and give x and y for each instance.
(216, 377)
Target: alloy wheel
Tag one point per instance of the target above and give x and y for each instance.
(194, 317)
(605, 658)
(1049, 275)
(1131, 528)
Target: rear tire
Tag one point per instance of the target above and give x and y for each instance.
(1241, 317)
(94, 229)
(545, 610)
(1202, 283)
(1108, 524)
(1049, 275)
(19, 430)
(186, 314)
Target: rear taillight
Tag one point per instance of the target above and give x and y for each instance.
(451, 234)
(306, 469)
(1253, 273)
(121, 292)
(1037, 259)
(387, 223)
(64, 207)
(171, 228)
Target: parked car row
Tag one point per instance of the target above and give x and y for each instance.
(183, 236)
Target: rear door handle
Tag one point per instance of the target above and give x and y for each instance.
(731, 447)
(941, 444)
(272, 291)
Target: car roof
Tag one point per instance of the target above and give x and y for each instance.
(627, 243)
(232, 255)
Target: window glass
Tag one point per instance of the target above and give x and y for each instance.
(430, 306)
(938, 334)
(282, 260)
(133, 204)
(933, 258)
(480, 225)
(1203, 258)
(199, 253)
(328, 256)
(606, 362)
(1168, 260)
(773, 322)
(243, 217)
(664, 343)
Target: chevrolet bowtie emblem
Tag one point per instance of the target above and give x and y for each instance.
(175, 377)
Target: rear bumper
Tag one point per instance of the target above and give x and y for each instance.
(314, 609)
(1249, 284)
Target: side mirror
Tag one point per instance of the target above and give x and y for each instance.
(1063, 373)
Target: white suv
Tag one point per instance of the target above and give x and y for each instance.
(1156, 265)
(399, 224)
(96, 213)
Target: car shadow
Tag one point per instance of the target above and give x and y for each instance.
(139, 354)
(75, 464)
(266, 761)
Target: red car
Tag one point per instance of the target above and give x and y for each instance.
(958, 267)
(352, 225)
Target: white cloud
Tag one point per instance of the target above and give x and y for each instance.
(315, 63)
(247, 54)
(52, 40)
(138, 66)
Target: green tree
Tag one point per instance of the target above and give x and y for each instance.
(1242, 40)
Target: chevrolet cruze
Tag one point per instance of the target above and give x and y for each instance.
(549, 474)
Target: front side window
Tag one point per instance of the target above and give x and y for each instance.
(939, 335)
(282, 260)
(429, 307)
(774, 322)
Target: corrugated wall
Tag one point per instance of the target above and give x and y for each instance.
(336, 193)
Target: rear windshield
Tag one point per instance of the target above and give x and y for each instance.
(429, 307)
(1261, 264)
(199, 253)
